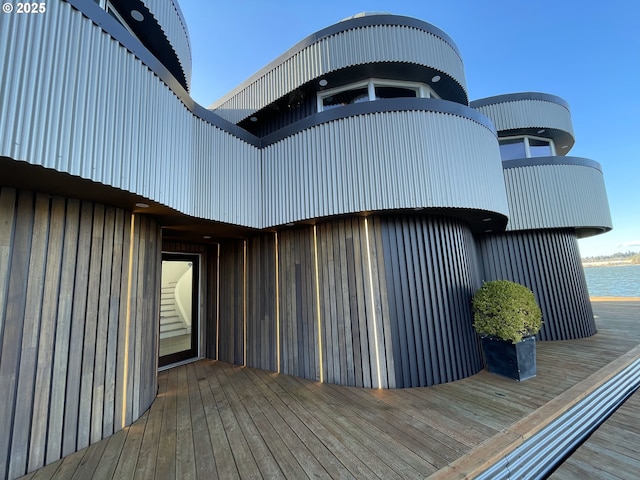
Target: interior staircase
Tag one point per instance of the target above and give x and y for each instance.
(170, 323)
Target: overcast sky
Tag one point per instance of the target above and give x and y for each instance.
(586, 52)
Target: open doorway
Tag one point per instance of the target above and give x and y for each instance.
(179, 312)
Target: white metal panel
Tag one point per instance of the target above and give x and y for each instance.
(168, 15)
(556, 196)
(377, 43)
(66, 106)
(388, 160)
(519, 114)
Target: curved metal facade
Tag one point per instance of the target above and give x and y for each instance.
(530, 113)
(343, 49)
(371, 288)
(551, 192)
(382, 161)
(548, 262)
(169, 16)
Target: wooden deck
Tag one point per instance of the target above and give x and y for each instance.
(215, 420)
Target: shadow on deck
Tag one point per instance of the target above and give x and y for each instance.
(215, 420)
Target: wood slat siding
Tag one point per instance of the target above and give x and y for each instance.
(431, 274)
(261, 303)
(392, 296)
(63, 301)
(547, 262)
(299, 353)
(231, 339)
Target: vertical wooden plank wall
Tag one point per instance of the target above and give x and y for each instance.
(232, 302)
(299, 353)
(78, 325)
(379, 302)
(261, 303)
(548, 262)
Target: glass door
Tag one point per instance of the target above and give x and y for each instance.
(179, 312)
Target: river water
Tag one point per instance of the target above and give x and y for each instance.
(622, 281)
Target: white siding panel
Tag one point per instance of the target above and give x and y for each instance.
(379, 43)
(556, 196)
(528, 114)
(80, 103)
(166, 14)
(389, 160)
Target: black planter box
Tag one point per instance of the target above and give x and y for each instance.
(517, 361)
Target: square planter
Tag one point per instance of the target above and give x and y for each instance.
(517, 361)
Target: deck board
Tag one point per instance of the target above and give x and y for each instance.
(216, 420)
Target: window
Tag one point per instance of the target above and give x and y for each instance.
(526, 147)
(373, 89)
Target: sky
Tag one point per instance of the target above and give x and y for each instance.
(584, 51)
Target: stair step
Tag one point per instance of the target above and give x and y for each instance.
(173, 333)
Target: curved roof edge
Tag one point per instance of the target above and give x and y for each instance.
(558, 160)
(512, 97)
(100, 17)
(341, 26)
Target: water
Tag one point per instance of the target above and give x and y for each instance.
(623, 281)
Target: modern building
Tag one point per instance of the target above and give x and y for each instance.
(330, 218)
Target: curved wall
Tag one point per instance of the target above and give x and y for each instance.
(528, 114)
(66, 107)
(78, 326)
(378, 302)
(548, 262)
(417, 156)
(379, 39)
(556, 192)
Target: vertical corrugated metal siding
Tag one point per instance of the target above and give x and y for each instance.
(383, 161)
(65, 290)
(556, 196)
(66, 107)
(528, 113)
(431, 274)
(166, 15)
(547, 262)
(378, 43)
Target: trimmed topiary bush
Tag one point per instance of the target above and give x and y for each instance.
(506, 310)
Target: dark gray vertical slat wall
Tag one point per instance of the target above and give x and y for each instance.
(60, 384)
(431, 274)
(232, 302)
(391, 295)
(261, 303)
(548, 262)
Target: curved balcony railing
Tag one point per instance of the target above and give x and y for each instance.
(384, 155)
(531, 113)
(370, 40)
(557, 192)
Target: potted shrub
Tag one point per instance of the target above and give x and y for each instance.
(507, 318)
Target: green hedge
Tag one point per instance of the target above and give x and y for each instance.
(506, 310)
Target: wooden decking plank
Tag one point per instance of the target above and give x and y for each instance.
(146, 465)
(311, 454)
(240, 405)
(68, 466)
(264, 420)
(166, 458)
(130, 451)
(240, 449)
(397, 456)
(369, 403)
(90, 460)
(185, 449)
(115, 443)
(45, 473)
(200, 429)
(224, 460)
(346, 448)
